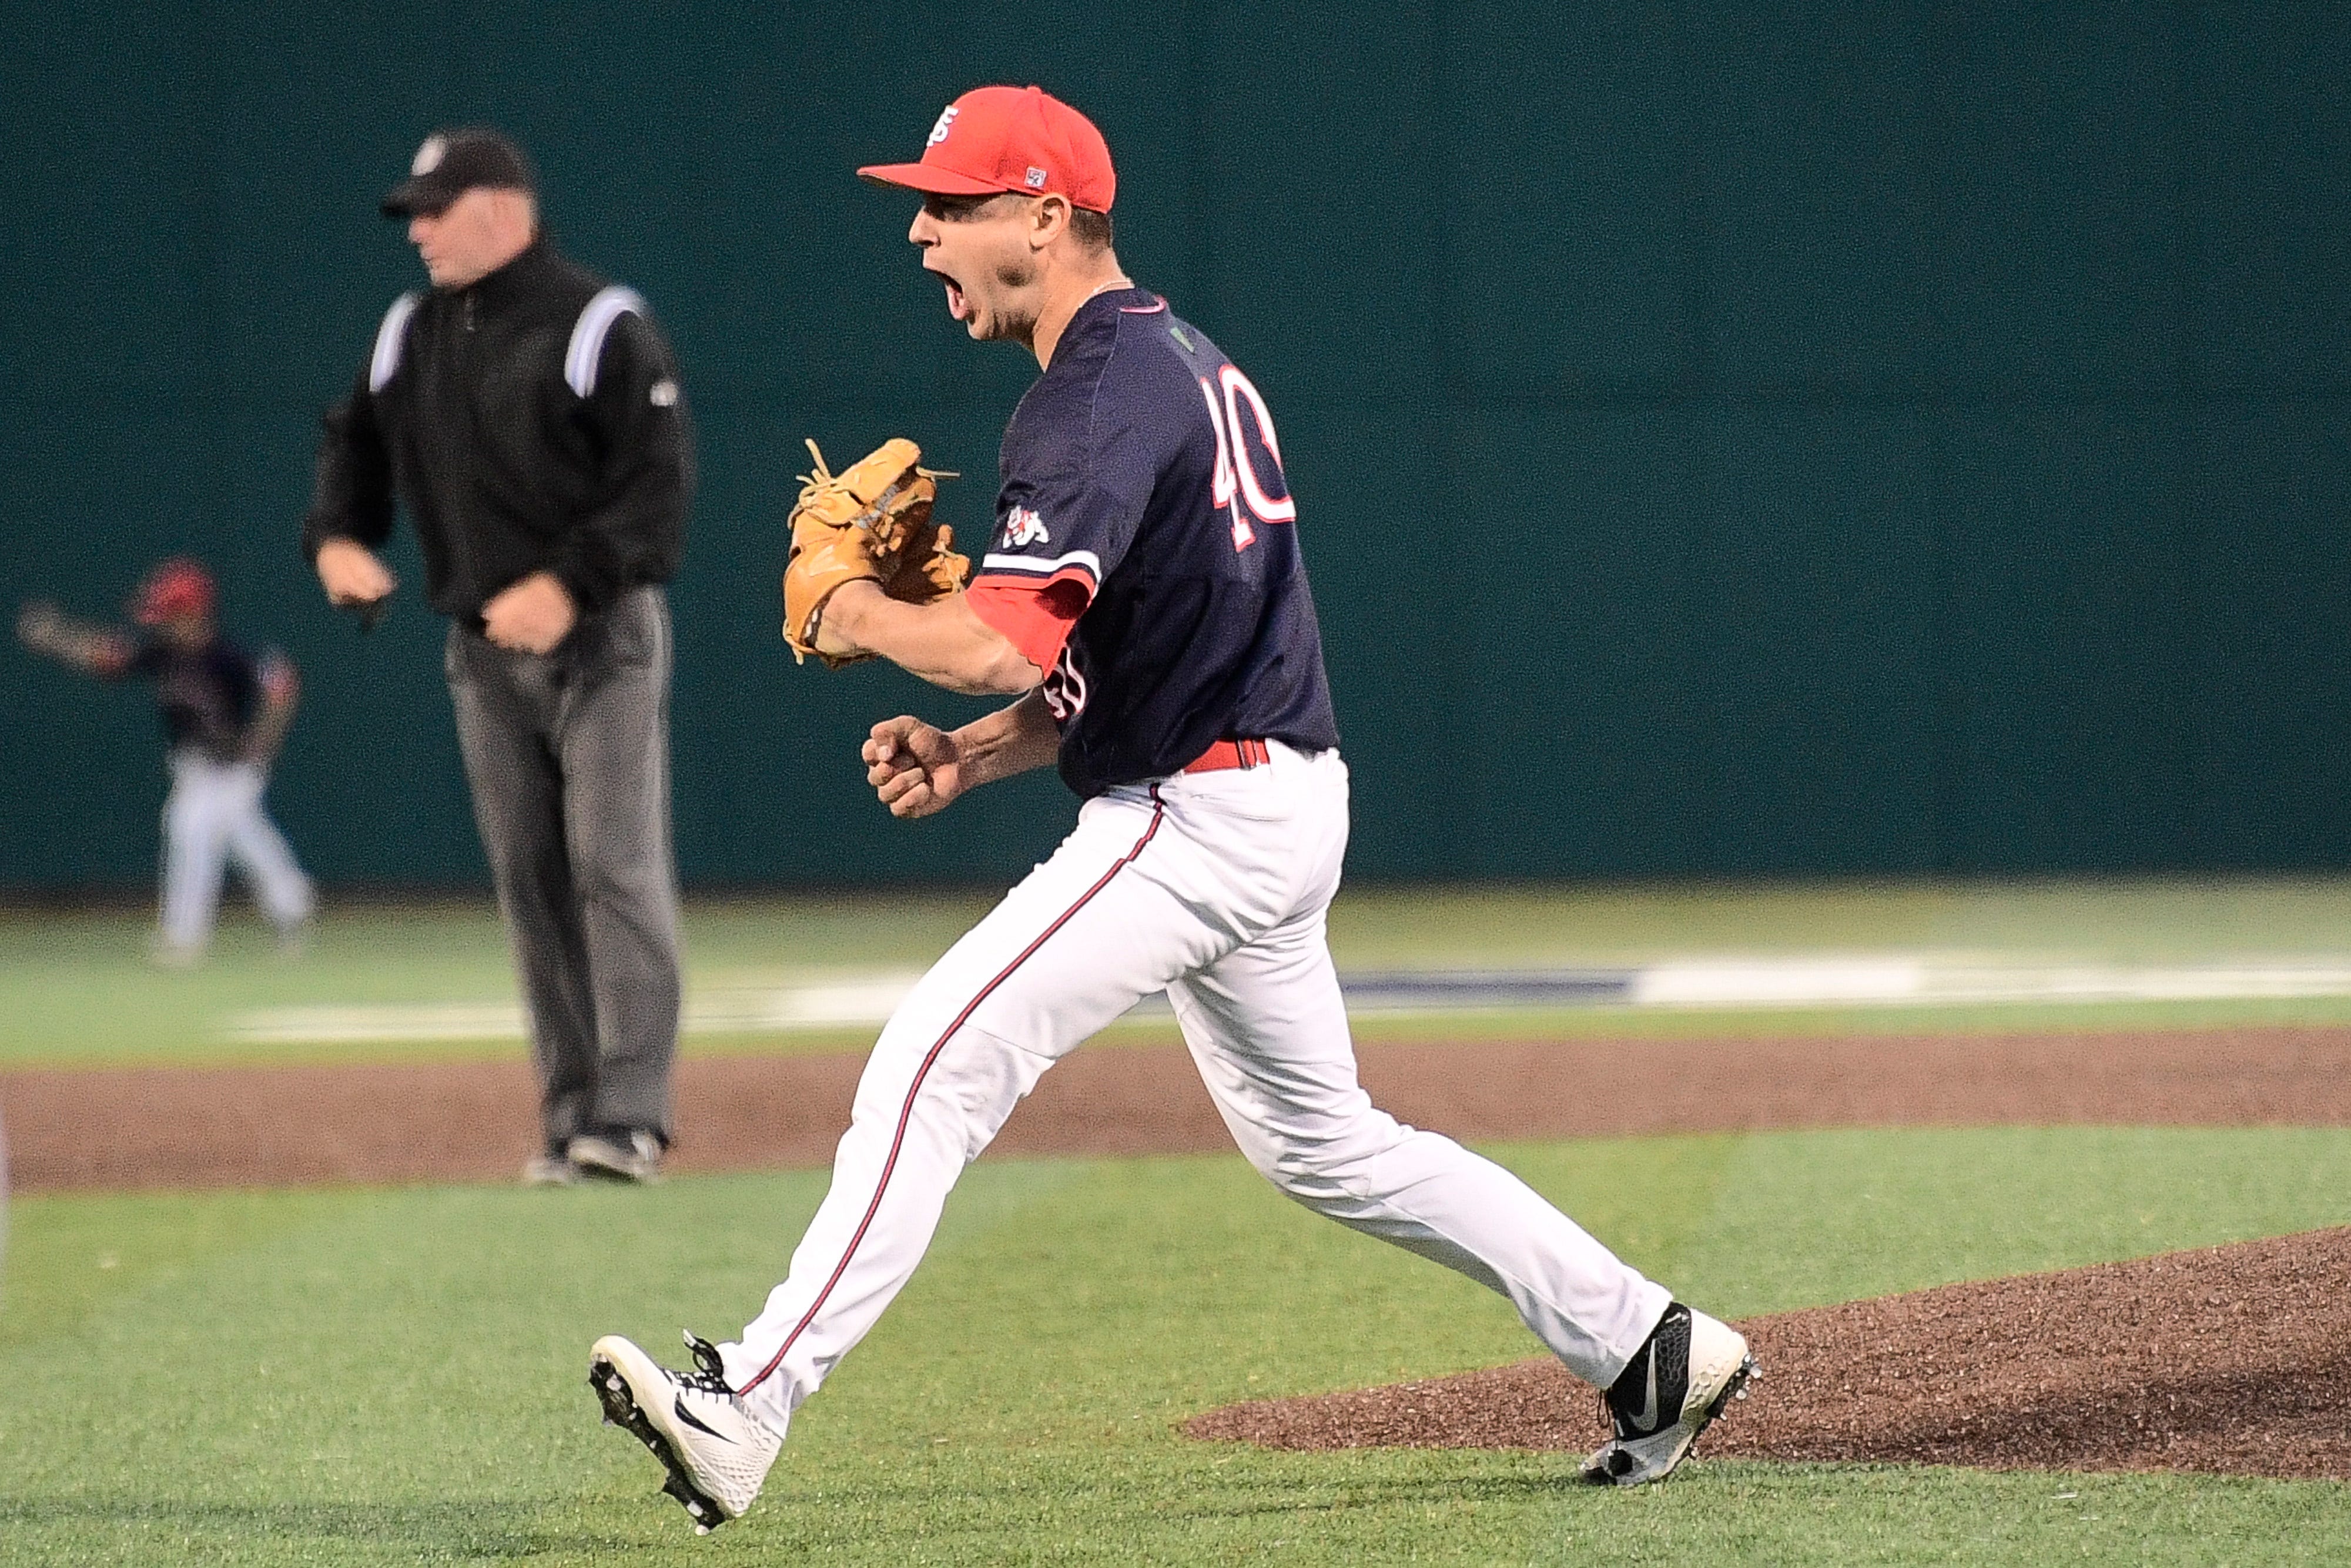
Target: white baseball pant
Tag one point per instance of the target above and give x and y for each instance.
(212, 816)
(1213, 886)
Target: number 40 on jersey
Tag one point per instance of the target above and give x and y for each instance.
(1237, 487)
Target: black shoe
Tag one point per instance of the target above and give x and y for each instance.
(1690, 1367)
(618, 1154)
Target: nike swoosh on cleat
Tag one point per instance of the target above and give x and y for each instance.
(1647, 1420)
(688, 1417)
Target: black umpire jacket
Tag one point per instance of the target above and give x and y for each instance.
(532, 422)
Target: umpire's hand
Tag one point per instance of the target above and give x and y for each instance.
(352, 574)
(533, 616)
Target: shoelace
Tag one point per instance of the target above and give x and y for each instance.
(710, 1370)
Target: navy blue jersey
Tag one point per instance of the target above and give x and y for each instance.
(1142, 494)
(207, 696)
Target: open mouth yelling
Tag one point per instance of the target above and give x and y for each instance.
(957, 306)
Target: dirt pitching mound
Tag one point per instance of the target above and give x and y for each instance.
(2231, 1361)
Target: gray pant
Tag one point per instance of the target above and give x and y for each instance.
(568, 755)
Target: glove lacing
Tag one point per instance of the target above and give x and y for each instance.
(824, 479)
(811, 483)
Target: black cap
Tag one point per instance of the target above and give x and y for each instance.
(452, 163)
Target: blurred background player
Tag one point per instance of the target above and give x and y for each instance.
(529, 415)
(225, 714)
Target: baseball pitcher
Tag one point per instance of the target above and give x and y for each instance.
(1144, 602)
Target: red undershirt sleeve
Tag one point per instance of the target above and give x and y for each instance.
(1034, 617)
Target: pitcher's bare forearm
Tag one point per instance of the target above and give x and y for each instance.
(1011, 740)
(943, 641)
(918, 768)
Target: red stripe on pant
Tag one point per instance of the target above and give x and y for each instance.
(907, 1112)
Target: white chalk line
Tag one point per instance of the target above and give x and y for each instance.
(778, 1006)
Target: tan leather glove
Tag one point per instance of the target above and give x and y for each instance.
(870, 520)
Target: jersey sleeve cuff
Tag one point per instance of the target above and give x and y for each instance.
(1079, 565)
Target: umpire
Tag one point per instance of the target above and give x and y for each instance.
(529, 415)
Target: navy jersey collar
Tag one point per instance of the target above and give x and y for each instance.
(1102, 314)
(1111, 303)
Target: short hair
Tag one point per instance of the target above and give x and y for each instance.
(961, 209)
(1093, 228)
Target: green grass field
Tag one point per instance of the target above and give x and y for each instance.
(78, 989)
(396, 1377)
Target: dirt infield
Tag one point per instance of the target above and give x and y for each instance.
(2232, 1361)
(467, 1121)
(2225, 1360)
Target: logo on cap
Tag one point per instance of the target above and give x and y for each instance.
(1036, 178)
(946, 124)
(428, 157)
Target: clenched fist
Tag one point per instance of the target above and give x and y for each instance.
(916, 768)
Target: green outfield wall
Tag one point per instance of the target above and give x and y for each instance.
(1729, 439)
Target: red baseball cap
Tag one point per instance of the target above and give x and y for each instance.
(178, 587)
(1021, 139)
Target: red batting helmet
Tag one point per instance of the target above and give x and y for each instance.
(178, 587)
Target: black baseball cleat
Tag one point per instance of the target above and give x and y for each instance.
(1690, 1367)
(717, 1452)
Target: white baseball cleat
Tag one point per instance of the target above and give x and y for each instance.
(716, 1451)
(1690, 1367)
